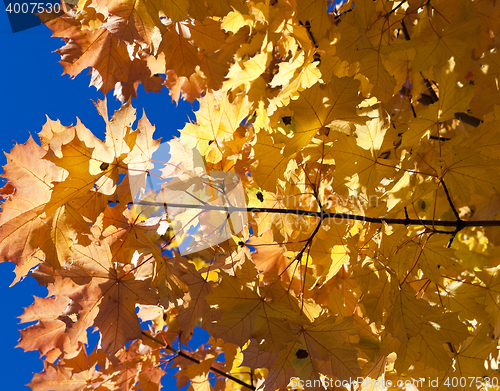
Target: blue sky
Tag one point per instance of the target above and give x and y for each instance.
(32, 87)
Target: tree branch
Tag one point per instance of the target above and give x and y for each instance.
(395, 8)
(334, 215)
(455, 212)
(192, 359)
(460, 222)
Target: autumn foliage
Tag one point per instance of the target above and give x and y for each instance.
(364, 139)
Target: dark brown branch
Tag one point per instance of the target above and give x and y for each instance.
(327, 215)
(309, 241)
(439, 138)
(455, 212)
(460, 222)
(405, 30)
(192, 359)
(307, 26)
(395, 8)
(338, 16)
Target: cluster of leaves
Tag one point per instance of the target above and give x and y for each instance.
(366, 139)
